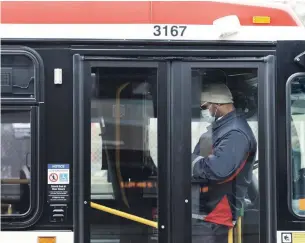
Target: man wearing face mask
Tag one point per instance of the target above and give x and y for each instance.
(222, 163)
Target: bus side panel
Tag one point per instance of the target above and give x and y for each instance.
(59, 128)
(286, 52)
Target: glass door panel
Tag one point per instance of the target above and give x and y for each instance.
(224, 132)
(125, 154)
(228, 127)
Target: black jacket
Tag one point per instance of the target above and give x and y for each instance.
(226, 172)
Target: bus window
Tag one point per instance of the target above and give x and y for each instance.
(297, 143)
(15, 161)
(224, 107)
(124, 151)
(17, 76)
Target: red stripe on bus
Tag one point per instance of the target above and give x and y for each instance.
(135, 12)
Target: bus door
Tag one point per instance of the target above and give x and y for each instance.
(136, 124)
(251, 82)
(290, 120)
(120, 148)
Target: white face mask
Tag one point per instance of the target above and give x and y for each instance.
(206, 115)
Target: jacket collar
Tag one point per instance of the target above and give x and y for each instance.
(226, 118)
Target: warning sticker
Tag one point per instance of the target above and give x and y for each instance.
(298, 237)
(58, 174)
(286, 238)
(291, 237)
(58, 183)
(53, 177)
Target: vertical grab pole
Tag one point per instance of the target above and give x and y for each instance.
(230, 235)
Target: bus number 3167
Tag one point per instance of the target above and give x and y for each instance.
(165, 30)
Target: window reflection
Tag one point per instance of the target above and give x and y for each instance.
(15, 161)
(297, 99)
(124, 151)
(17, 76)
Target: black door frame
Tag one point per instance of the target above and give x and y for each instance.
(174, 120)
(82, 120)
(287, 65)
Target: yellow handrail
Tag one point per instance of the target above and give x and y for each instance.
(230, 236)
(239, 233)
(146, 221)
(15, 181)
(124, 215)
(118, 138)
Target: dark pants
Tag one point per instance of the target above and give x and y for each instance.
(205, 232)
